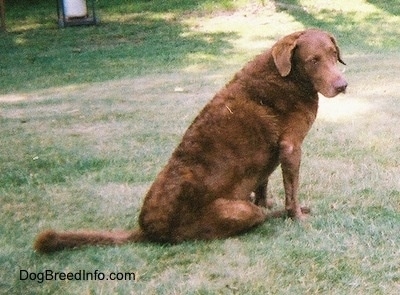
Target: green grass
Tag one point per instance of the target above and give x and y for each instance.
(135, 37)
(89, 115)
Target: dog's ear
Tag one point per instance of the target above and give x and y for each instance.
(282, 53)
(337, 50)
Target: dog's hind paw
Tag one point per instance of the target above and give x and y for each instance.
(305, 210)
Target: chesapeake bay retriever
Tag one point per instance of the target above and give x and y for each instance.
(253, 124)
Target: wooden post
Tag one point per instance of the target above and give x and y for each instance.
(2, 15)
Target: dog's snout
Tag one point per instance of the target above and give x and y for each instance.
(341, 86)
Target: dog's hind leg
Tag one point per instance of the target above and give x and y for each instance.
(220, 219)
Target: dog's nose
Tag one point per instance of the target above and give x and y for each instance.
(341, 86)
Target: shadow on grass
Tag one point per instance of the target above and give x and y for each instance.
(358, 31)
(391, 6)
(128, 42)
(140, 37)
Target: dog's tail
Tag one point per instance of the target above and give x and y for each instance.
(51, 241)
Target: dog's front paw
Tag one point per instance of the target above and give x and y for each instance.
(268, 203)
(301, 214)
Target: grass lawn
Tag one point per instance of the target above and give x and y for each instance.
(89, 115)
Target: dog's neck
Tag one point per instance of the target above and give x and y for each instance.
(265, 86)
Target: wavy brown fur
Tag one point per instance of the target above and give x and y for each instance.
(51, 241)
(255, 123)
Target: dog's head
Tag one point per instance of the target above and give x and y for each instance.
(311, 55)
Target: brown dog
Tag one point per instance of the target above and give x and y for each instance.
(253, 124)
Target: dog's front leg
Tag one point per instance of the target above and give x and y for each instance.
(290, 158)
(261, 196)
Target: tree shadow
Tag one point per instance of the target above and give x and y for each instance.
(358, 35)
(130, 42)
(390, 6)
